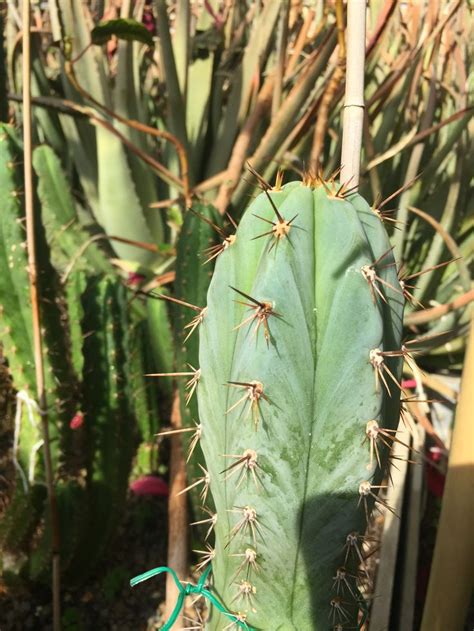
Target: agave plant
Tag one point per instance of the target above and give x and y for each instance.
(262, 83)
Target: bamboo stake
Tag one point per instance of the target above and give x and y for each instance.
(36, 316)
(353, 118)
(385, 579)
(452, 570)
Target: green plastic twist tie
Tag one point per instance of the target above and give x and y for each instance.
(187, 590)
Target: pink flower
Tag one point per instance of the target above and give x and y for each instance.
(134, 279)
(77, 420)
(435, 479)
(150, 485)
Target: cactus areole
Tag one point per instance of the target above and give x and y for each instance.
(298, 359)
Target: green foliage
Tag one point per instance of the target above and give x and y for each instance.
(219, 76)
(122, 28)
(290, 502)
(94, 362)
(71, 619)
(69, 241)
(114, 581)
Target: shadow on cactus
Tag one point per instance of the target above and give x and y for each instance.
(300, 358)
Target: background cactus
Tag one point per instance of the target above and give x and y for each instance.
(289, 381)
(95, 362)
(193, 275)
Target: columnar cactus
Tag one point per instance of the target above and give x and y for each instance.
(94, 363)
(298, 399)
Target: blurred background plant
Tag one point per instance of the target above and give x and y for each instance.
(144, 109)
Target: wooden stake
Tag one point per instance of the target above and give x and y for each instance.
(36, 315)
(452, 570)
(353, 118)
(177, 515)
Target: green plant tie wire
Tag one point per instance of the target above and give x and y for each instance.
(186, 590)
(201, 590)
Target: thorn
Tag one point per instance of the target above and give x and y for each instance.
(195, 438)
(413, 399)
(407, 417)
(214, 251)
(177, 301)
(338, 612)
(341, 581)
(247, 524)
(280, 229)
(195, 322)
(365, 491)
(231, 219)
(254, 392)
(246, 592)
(384, 216)
(207, 557)
(249, 562)
(264, 185)
(334, 174)
(190, 386)
(218, 229)
(246, 463)
(369, 272)
(238, 617)
(378, 205)
(344, 189)
(197, 429)
(204, 480)
(406, 354)
(262, 311)
(398, 191)
(408, 288)
(354, 547)
(376, 358)
(279, 179)
(212, 521)
(194, 627)
(374, 433)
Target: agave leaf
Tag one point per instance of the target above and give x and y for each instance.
(128, 99)
(176, 106)
(121, 212)
(290, 109)
(200, 82)
(48, 125)
(181, 43)
(254, 58)
(67, 239)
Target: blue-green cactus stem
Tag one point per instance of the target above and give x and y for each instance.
(288, 385)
